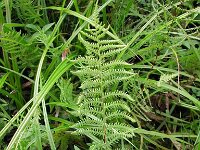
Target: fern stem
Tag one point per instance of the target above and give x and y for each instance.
(103, 102)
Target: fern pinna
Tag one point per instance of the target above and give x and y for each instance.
(102, 105)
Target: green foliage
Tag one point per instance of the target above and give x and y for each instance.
(103, 112)
(66, 88)
(3, 79)
(28, 12)
(133, 85)
(21, 47)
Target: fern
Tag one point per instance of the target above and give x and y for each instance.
(166, 77)
(27, 11)
(15, 43)
(27, 141)
(102, 109)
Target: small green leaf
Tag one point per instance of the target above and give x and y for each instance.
(3, 79)
(34, 27)
(47, 27)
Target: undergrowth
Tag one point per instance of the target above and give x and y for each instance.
(99, 74)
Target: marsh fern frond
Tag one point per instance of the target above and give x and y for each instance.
(102, 106)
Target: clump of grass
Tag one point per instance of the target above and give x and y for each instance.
(39, 94)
